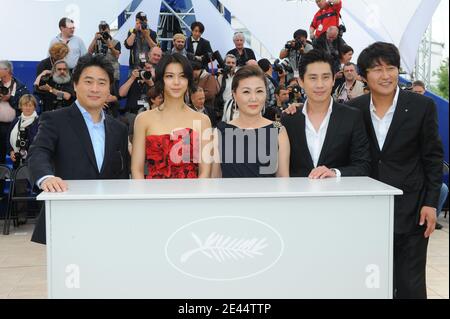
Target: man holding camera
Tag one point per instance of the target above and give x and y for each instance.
(11, 90)
(275, 111)
(136, 87)
(104, 44)
(271, 84)
(55, 88)
(139, 41)
(75, 44)
(327, 16)
(351, 88)
(294, 50)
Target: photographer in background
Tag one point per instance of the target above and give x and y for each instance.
(225, 79)
(55, 88)
(351, 88)
(104, 44)
(11, 90)
(75, 44)
(139, 41)
(136, 87)
(332, 44)
(242, 54)
(275, 111)
(327, 16)
(294, 50)
(271, 84)
(23, 130)
(21, 134)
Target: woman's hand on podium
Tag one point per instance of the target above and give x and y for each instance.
(54, 185)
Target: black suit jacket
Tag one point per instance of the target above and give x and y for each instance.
(346, 146)
(63, 148)
(203, 48)
(411, 158)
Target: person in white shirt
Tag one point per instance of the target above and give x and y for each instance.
(327, 139)
(76, 45)
(406, 153)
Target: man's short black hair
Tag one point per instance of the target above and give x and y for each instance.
(300, 33)
(199, 25)
(419, 83)
(264, 64)
(314, 56)
(63, 22)
(375, 54)
(89, 60)
(169, 59)
(279, 89)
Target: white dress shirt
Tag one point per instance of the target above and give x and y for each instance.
(315, 139)
(381, 126)
(194, 44)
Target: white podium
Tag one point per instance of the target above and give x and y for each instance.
(226, 238)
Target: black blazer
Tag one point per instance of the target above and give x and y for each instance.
(63, 147)
(345, 148)
(203, 48)
(411, 158)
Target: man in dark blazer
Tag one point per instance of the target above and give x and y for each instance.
(79, 142)
(198, 46)
(327, 139)
(406, 153)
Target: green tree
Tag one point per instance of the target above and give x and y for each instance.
(442, 87)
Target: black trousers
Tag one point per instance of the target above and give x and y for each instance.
(410, 259)
(39, 233)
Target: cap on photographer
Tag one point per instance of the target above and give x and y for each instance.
(294, 50)
(75, 44)
(55, 87)
(140, 40)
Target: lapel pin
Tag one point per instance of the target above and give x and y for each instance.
(406, 110)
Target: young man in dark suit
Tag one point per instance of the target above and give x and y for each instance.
(327, 139)
(79, 142)
(406, 153)
(198, 46)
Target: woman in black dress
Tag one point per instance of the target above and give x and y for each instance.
(250, 145)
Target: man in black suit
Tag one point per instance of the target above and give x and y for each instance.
(79, 142)
(327, 139)
(406, 153)
(198, 46)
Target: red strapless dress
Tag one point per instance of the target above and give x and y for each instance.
(172, 155)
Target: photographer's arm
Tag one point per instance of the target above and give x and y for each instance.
(284, 53)
(115, 50)
(93, 45)
(123, 91)
(130, 40)
(148, 38)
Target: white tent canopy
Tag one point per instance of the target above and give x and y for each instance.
(401, 22)
(273, 22)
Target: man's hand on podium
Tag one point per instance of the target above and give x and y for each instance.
(54, 185)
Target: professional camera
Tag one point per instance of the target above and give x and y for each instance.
(45, 79)
(22, 143)
(342, 29)
(294, 45)
(283, 66)
(296, 89)
(145, 75)
(216, 56)
(3, 90)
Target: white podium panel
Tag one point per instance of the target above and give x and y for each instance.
(240, 238)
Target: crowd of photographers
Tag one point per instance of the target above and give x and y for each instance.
(53, 88)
